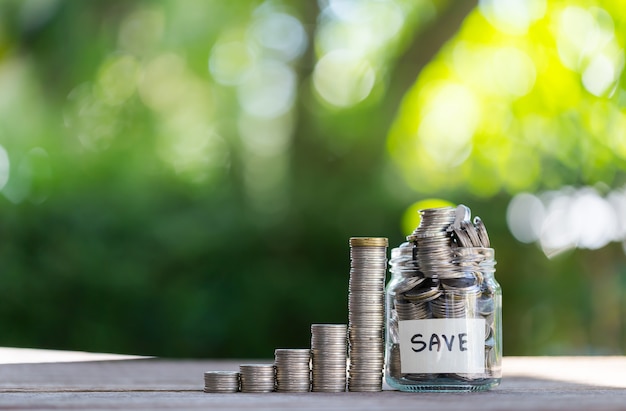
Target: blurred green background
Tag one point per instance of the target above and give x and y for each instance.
(180, 178)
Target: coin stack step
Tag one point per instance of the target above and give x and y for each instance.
(293, 372)
(257, 377)
(328, 357)
(366, 312)
(221, 381)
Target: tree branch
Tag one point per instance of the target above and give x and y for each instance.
(423, 49)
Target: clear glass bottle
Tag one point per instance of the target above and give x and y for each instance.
(443, 330)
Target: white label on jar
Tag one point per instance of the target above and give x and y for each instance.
(446, 345)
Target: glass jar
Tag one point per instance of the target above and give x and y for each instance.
(443, 329)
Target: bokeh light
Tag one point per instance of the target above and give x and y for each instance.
(355, 42)
(5, 167)
(512, 16)
(343, 78)
(520, 66)
(93, 122)
(525, 215)
(229, 61)
(448, 124)
(568, 218)
(142, 30)
(266, 143)
(268, 89)
(279, 33)
(145, 146)
(117, 79)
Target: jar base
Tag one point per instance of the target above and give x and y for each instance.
(443, 385)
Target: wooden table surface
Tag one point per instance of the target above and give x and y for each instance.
(39, 379)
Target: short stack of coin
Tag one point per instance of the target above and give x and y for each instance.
(366, 312)
(293, 372)
(257, 377)
(221, 381)
(328, 357)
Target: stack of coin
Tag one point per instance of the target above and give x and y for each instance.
(432, 240)
(221, 381)
(257, 377)
(293, 372)
(366, 312)
(328, 357)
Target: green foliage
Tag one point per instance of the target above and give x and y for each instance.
(519, 100)
(180, 178)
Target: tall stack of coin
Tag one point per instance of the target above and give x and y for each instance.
(328, 357)
(293, 372)
(221, 381)
(257, 377)
(366, 312)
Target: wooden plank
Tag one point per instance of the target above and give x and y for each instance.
(548, 383)
(507, 397)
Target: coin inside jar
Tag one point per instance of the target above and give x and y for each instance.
(448, 279)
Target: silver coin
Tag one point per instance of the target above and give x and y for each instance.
(333, 330)
(221, 381)
(293, 372)
(257, 377)
(407, 310)
(328, 357)
(422, 295)
(482, 232)
(366, 317)
(462, 284)
(407, 284)
(462, 237)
